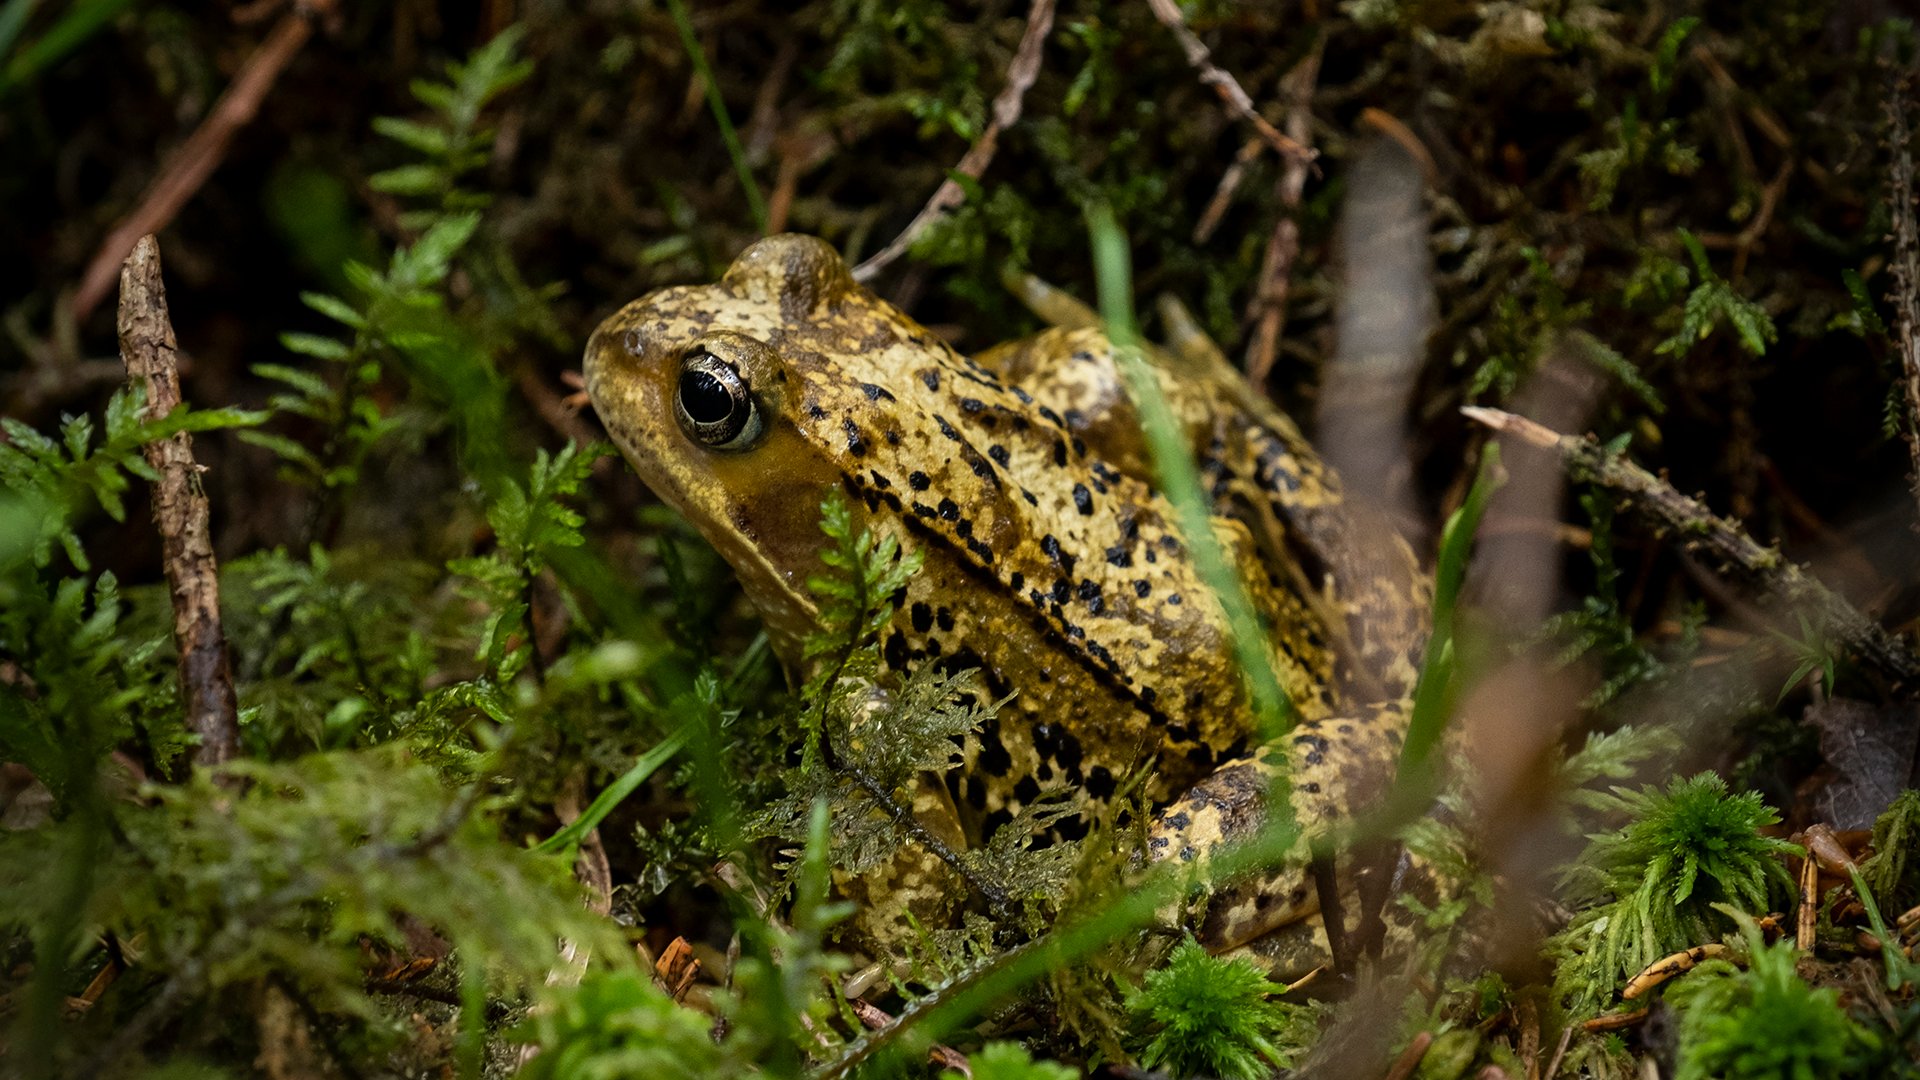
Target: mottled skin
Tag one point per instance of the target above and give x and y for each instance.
(1051, 563)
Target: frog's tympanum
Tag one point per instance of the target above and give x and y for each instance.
(1051, 561)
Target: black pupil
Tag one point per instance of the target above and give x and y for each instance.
(704, 397)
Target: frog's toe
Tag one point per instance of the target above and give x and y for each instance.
(1186, 340)
(1288, 953)
(1051, 305)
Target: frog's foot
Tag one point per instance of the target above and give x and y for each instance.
(912, 888)
(1334, 767)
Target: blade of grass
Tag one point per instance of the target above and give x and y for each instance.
(81, 22)
(614, 794)
(1433, 694)
(734, 150)
(1900, 970)
(13, 18)
(1179, 479)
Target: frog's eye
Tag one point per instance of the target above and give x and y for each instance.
(714, 403)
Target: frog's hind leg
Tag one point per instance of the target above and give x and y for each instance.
(1334, 768)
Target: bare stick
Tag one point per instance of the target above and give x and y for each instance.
(1269, 306)
(1021, 73)
(1702, 533)
(202, 153)
(874, 1018)
(1906, 266)
(180, 512)
(1559, 1053)
(1224, 84)
(1224, 192)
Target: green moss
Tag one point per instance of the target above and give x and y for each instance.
(1893, 872)
(1205, 1016)
(1651, 886)
(1766, 1023)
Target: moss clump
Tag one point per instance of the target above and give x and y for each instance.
(1211, 1017)
(1650, 887)
(1765, 1022)
(1893, 873)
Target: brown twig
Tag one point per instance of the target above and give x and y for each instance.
(1906, 267)
(1224, 191)
(1200, 58)
(1529, 1016)
(151, 354)
(1668, 966)
(1268, 309)
(1807, 917)
(1409, 1058)
(873, 1018)
(197, 158)
(1614, 1021)
(1702, 533)
(1021, 73)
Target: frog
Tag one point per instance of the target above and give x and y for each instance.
(1051, 562)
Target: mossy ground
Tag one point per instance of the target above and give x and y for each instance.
(476, 631)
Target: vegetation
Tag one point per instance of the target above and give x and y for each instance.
(520, 786)
(1765, 1021)
(1685, 854)
(1203, 1016)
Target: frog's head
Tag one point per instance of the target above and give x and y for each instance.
(736, 403)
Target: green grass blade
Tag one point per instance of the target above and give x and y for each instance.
(734, 150)
(1433, 694)
(614, 794)
(82, 21)
(1179, 479)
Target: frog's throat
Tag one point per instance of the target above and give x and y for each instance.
(785, 606)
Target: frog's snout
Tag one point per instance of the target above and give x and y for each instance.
(803, 274)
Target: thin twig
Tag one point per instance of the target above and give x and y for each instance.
(1409, 1058)
(151, 354)
(874, 1018)
(1200, 58)
(1703, 533)
(1268, 309)
(1906, 266)
(202, 153)
(1021, 73)
(1614, 1021)
(1559, 1053)
(1224, 192)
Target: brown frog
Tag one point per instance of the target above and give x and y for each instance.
(1051, 562)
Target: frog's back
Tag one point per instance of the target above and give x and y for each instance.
(1057, 572)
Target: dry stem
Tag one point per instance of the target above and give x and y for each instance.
(1021, 73)
(201, 154)
(1906, 267)
(1224, 84)
(1268, 309)
(1703, 533)
(180, 512)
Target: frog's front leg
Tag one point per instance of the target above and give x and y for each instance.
(1334, 768)
(913, 888)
